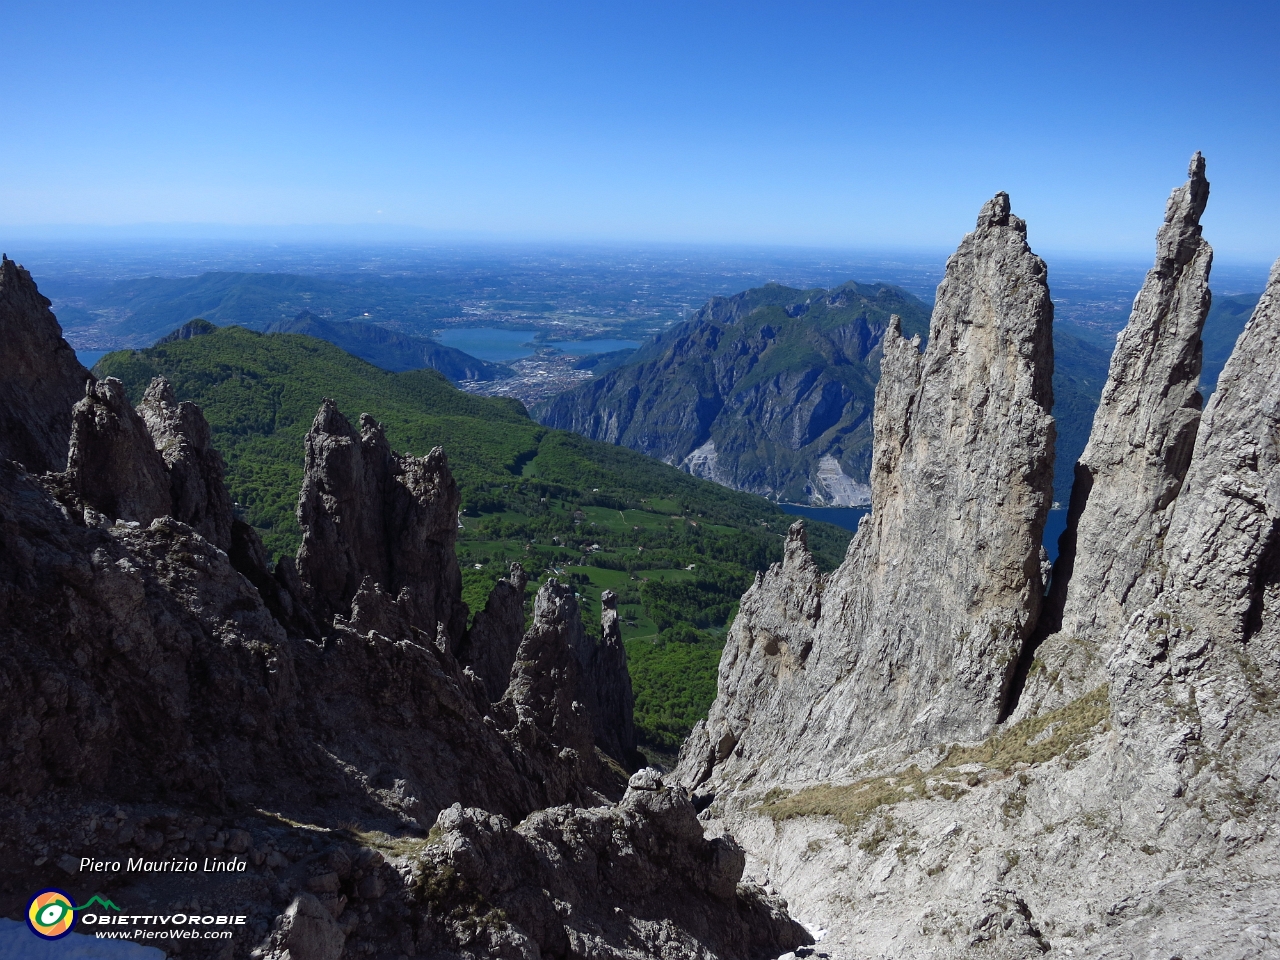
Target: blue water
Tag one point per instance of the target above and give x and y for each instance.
(90, 357)
(848, 518)
(487, 343)
(583, 347)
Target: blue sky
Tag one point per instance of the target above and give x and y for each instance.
(844, 125)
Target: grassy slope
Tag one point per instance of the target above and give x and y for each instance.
(541, 496)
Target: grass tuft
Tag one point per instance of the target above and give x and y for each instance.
(1061, 733)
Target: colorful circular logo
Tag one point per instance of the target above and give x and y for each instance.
(51, 914)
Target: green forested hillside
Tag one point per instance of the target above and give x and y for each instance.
(391, 350)
(679, 551)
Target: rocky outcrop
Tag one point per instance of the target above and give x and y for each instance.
(113, 466)
(1094, 820)
(494, 637)
(1137, 456)
(769, 391)
(42, 379)
(366, 511)
(544, 709)
(915, 637)
(198, 494)
(1211, 635)
(167, 695)
(506, 890)
(607, 685)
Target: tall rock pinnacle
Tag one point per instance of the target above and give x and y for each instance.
(607, 684)
(112, 464)
(1215, 623)
(915, 637)
(366, 511)
(42, 378)
(196, 471)
(1138, 453)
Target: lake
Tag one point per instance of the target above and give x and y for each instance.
(583, 347)
(90, 357)
(501, 346)
(848, 518)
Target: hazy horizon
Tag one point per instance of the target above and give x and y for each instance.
(818, 125)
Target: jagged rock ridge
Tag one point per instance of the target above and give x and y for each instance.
(166, 690)
(1128, 811)
(42, 377)
(963, 444)
(1138, 453)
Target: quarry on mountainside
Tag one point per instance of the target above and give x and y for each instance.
(315, 725)
(973, 768)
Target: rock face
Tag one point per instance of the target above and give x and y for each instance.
(607, 685)
(769, 391)
(1136, 458)
(544, 708)
(915, 637)
(1211, 634)
(166, 694)
(113, 465)
(42, 378)
(180, 432)
(1121, 805)
(491, 644)
(647, 852)
(366, 511)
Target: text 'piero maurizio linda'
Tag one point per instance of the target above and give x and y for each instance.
(141, 865)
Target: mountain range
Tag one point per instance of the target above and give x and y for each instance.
(771, 391)
(391, 350)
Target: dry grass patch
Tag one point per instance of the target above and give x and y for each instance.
(1061, 733)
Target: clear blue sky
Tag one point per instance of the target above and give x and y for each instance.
(850, 125)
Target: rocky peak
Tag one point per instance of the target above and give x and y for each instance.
(113, 466)
(1210, 635)
(196, 471)
(366, 511)
(1139, 449)
(543, 708)
(42, 378)
(819, 671)
(494, 637)
(607, 685)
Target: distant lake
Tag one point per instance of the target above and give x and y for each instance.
(848, 517)
(489, 343)
(90, 357)
(583, 347)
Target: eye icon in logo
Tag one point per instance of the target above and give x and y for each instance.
(51, 914)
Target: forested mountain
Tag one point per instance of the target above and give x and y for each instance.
(768, 391)
(390, 350)
(771, 391)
